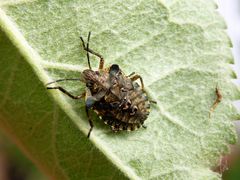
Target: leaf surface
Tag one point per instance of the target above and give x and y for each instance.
(179, 47)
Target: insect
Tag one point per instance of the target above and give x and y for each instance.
(216, 102)
(117, 98)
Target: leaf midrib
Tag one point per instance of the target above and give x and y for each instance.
(34, 59)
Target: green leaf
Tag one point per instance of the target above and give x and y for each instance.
(179, 47)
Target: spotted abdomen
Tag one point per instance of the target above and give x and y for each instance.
(128, 113)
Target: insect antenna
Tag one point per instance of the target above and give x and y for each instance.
(86, 48)
(88, 58)
(67, 79)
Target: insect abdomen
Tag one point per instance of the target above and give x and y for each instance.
(122, 117)
(139, 110)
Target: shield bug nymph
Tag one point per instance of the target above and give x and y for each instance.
(115, 97)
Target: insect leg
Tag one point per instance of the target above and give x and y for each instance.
(136, 77)
(89, 102)
(90, 122)
(216, 102)
(131, 74)
(67, 93)
(86, 48)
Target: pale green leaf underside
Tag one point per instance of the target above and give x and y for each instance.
(179, 47)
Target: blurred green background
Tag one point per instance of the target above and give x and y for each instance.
(14, 165)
